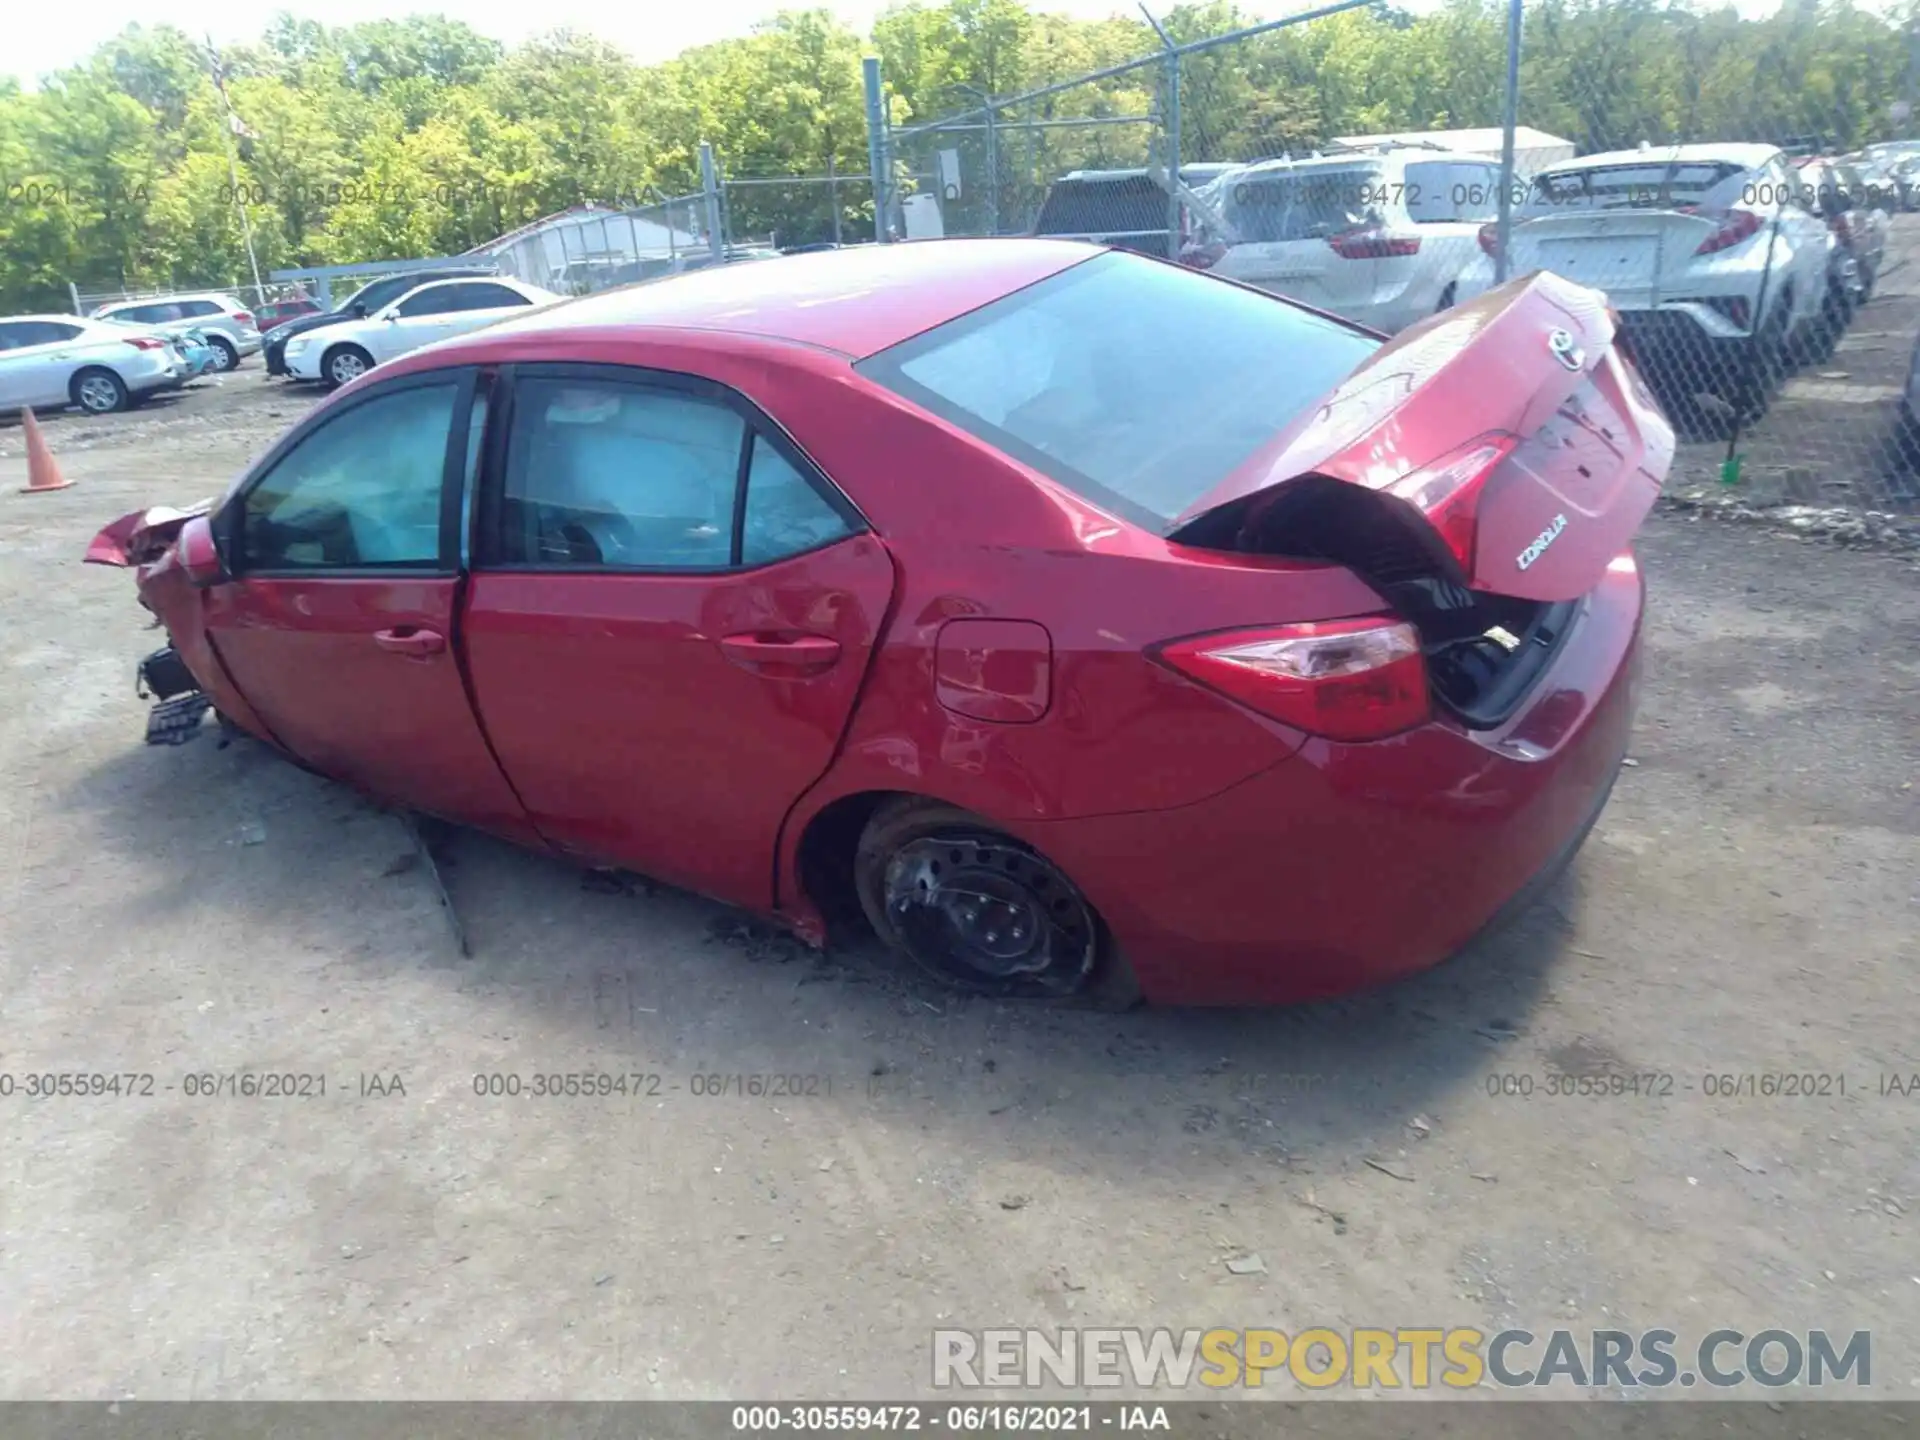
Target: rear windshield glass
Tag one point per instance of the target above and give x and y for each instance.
(1103, 207)
(1649, 186)
(1136, 384)
(1308, 206)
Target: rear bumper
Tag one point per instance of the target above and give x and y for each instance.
(1350, 865)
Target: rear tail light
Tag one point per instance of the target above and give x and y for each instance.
(1344, 679)
(1489, 238)
(1448, 491)
(1739, 225)
(243, 316)
(142, 342)
(1840, 228)
(1373, 244)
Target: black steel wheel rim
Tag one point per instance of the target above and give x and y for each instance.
(990, 915)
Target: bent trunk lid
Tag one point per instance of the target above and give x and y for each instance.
(1525, 387)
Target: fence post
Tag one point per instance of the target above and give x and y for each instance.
(1170, 118)
(993, 173)
(710, 189)
(876, 144)
(1508, 117)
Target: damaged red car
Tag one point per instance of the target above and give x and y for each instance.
(1084, 624)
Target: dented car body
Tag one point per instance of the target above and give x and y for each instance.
(945, 587)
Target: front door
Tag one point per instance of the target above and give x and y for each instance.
(670, 619)
(338, 627)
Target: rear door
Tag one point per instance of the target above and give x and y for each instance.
(338, 626)
(37, 360)
(671, 615)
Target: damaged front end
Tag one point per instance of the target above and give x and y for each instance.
(150, 543)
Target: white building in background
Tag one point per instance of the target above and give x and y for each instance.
(590, 247)
(1532, 149)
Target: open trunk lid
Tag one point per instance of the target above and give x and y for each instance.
(1506, 444)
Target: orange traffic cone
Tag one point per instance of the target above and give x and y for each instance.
(42, 473)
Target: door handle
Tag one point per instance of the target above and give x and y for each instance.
(410, 640)
(781, 657)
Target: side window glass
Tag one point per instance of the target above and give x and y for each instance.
(363, 489)
(785, 515)
(490, 297)
(601, 474)
(432, 302)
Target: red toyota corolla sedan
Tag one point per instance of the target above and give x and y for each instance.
(1087, 624)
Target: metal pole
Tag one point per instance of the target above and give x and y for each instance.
(833, 196)
(74, 291)
(1507, 121)
(876, 144)
(1171, 120)
(993, 174)
(710, 189)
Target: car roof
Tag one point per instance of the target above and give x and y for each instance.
(1747, 156)
(856, 301)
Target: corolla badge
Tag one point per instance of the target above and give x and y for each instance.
(1540, 542)
(1566, 349)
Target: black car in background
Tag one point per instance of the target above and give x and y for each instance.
(362, 303)
(1126, 209)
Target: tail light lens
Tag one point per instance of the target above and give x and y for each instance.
(245, 317)
(1489, 238)
(1202, 257)
(142, 342)
(1739, 225)
(1373, 244)
(1841, 229)
(1344, 679)
(1447, 492)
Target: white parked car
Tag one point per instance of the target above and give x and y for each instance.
(48, 360)
(1709, 253)
(434, 311)
(1378, 236)
(228, 324)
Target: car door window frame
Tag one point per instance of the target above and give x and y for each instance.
(488, 541)
(231, 519)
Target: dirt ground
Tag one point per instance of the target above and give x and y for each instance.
(1748, 906)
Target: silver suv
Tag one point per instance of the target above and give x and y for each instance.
(228, 324)
(1379, 236)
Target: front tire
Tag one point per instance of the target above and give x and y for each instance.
(226, 350)
(344, 364)
(98, 391)
(981, 911)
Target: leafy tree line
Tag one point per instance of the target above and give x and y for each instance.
(422, 136)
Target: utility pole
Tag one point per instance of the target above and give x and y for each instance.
(1509, 116)
(234, 127)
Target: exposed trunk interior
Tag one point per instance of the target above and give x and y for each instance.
(1483, 651)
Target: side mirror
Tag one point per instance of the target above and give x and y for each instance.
(360, 309)
(198, 555)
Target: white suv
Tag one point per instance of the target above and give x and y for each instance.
(1378, 236)
(228, 324)
(1709, 253)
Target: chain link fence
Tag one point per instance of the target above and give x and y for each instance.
(1742, 185)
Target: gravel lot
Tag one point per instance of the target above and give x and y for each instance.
(1748, 906)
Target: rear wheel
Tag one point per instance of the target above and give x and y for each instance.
(982, 911)
(98, 392)
(226, 350)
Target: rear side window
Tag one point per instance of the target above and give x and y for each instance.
(484, 295)
(1136, 384)
(190, 309)
(784, 514)
(1442, 191)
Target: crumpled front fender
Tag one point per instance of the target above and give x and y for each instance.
(141, 536)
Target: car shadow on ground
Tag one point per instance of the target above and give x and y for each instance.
(643, 976)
